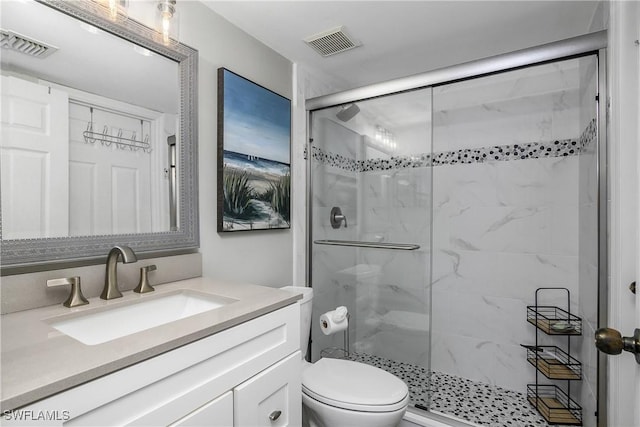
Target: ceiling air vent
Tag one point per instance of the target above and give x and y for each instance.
(26, 45)
(331, 42)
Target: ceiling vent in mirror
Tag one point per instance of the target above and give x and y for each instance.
(26, 45)
(331, 42)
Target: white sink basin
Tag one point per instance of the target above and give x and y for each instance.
(96, 327)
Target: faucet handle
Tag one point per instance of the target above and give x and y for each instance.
(75, 297)
(143, 285)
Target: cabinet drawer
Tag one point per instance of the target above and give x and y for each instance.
(217, 413)
(272, 398)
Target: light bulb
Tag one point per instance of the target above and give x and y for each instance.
(166, 11)
(113, 9)
(165, 28)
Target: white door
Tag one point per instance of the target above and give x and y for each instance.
(636, 200)
(34, 150)
(110, 188)
(624, 243)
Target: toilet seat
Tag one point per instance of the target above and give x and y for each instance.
(354, 386)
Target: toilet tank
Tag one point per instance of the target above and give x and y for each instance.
(305, 314)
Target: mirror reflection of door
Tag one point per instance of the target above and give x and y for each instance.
(34, 155)
(58, 182)
(108, 187)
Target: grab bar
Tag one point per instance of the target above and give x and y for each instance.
(378, 245)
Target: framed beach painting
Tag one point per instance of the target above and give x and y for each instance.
(254, 156)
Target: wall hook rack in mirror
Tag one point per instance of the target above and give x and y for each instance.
(121, 142)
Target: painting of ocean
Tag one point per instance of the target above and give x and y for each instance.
(254, 167)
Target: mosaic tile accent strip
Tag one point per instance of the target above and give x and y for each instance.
(467, 400)
(532, 150)
(395, 162)
(335, 160)
(589, 135)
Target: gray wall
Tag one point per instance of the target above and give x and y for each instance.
(260, 257)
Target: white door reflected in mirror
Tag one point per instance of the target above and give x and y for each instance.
(34, 156)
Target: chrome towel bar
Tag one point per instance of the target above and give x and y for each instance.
(377, 245)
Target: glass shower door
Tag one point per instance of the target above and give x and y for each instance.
(515, 209)
(371, 232)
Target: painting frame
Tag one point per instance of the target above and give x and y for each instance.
(253, 156)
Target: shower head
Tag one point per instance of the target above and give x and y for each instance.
(347, 113)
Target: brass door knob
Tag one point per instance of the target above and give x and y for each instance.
(275, 415)
(611, 341)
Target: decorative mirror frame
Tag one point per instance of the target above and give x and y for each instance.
(34, 254)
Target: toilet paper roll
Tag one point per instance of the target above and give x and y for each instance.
(334, 321)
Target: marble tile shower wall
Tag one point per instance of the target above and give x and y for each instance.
(501, 230)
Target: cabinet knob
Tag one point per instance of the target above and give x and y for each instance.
(275, 415)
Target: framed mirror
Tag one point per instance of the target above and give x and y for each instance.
(99, 137)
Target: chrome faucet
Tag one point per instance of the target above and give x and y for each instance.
(111, 290)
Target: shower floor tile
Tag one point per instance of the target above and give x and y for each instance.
(476, 402)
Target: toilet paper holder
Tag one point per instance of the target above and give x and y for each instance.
(336, 352)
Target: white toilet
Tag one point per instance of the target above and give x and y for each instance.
(344, 393)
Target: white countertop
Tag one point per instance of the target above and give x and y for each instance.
(38, 361)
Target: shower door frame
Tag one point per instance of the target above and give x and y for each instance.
(581, 46)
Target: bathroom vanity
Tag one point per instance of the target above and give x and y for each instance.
(237, 364)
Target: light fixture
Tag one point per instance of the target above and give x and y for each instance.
(385, 138)
(167, 22)
(114, 10)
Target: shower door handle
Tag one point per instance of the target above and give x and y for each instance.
(612, 342)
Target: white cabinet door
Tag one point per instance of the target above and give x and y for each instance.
(217, 413)
(34, 150)
(272, 398)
